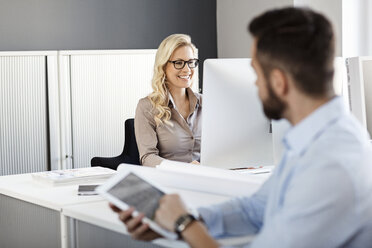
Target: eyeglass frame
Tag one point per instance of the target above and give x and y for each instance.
(184, 63)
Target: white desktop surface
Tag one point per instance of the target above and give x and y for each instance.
(23, 187)
(99, 214)
(94, 209)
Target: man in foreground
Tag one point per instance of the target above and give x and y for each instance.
(320, 194)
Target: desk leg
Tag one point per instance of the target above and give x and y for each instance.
(64, 231)
(68, 239)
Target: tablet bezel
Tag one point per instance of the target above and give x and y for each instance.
(104, 191)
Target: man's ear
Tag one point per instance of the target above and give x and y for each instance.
(279, 82)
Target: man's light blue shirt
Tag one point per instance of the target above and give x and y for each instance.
(320, 195)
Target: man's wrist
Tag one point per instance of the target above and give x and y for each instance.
(196, 214)
(183, 222)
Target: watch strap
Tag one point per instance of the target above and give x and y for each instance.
(182, 223)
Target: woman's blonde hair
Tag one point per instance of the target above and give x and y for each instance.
(159, 96)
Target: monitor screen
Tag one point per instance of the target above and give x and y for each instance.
(235, 131)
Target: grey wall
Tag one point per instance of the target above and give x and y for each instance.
(105, 24)
(332, 9)
(233, 17)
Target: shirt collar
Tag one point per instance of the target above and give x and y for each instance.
(193, 98)
(171, 103)
(300, 136)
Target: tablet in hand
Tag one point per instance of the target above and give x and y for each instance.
(128, 189)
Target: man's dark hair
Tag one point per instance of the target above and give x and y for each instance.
(298, 41)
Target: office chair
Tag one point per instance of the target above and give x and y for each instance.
(129, 155)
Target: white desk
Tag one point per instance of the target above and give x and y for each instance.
(46, 203)
(23, 187)
(63, 204)
(99, 214)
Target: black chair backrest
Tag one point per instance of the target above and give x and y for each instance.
(130, 146)
(130, 154)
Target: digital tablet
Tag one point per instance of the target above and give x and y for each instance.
(128, 189)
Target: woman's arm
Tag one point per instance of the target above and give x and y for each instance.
(146, 136)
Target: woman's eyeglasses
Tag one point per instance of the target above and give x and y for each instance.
(180, 64)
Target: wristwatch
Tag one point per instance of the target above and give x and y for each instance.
(182, 222)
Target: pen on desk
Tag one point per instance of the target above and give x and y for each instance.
(246, 168)
(262, 172)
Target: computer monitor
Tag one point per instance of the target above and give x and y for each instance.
(235, 131)
(340, 86)
(359, 71)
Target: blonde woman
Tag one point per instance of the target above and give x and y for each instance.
(168, 121)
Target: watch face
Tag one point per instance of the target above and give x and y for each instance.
(183, 221)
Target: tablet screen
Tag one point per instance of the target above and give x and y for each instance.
(136, 192)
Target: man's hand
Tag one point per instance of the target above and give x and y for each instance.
(170, 209)
(195, 162)
(135, 227)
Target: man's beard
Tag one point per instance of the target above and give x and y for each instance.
(273, 106)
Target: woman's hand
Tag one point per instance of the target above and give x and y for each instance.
(170, 209)
(137, 229)
(195, 162)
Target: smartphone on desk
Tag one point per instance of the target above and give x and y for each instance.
(87, 190)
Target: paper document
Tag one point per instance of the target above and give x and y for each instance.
(62, 177)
